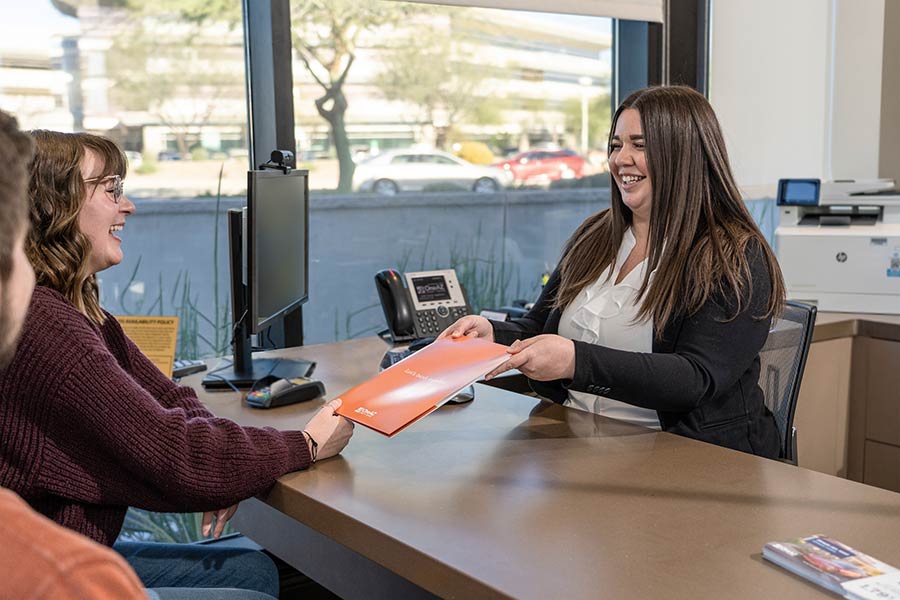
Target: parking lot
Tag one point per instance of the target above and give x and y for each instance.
(189, 178)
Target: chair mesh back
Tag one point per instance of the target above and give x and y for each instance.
(781, 361)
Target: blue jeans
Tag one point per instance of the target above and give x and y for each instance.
(204, 594)
(200, 566)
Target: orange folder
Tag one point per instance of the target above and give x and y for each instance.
(410, 389)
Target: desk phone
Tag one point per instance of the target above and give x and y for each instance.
(420, 304)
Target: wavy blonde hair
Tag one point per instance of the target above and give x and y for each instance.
(56, 247)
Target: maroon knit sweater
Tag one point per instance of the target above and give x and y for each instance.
(89, 426)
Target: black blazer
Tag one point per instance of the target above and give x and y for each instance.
(701, 378)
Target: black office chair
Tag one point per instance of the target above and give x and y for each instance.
(782, 361)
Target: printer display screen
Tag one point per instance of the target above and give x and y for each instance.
(798, 192)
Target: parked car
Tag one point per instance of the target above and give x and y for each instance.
(541, 167)
(413, 170)
(171, 155)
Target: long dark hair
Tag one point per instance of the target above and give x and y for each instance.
(700, 228)
(57, 249)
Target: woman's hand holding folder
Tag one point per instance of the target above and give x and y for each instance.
(328, 432)
(544, 357)
(471, 326)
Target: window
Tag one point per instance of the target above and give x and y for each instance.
(441, 160)
(482, 85)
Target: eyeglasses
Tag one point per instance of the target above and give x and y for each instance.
(118, 186)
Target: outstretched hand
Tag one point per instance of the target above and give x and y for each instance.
(470, 326)
(542, 358)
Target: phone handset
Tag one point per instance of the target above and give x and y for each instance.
(430, 302)
(396, 305)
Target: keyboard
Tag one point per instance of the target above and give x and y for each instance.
(392, 357)
(183, 368)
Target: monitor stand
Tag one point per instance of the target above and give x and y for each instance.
(259, 370)
(245, 371)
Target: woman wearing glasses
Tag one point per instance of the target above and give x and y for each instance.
(89, 426)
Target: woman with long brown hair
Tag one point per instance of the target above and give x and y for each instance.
(660, 304)
(89, 426)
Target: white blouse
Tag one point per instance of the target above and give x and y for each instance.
(604, 314)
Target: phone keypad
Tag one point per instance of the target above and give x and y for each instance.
(430, 321)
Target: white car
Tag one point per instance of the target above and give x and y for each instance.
(413, 170)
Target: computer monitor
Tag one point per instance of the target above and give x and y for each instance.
(268, 243)
(277, 211)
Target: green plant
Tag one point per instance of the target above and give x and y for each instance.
(183, 303)
(469, 268)
(485, 277)
(349, 332)
(222, 338)
(173, 528)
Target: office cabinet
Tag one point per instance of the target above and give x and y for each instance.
(883, 391)
(882, 465)
(881, 450)
(848, 412)
(823, 408)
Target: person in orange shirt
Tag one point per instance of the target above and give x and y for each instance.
(38, 558)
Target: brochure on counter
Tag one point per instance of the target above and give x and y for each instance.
(412, 388)
(836, 567)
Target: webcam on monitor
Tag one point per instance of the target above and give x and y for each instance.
(280, 159)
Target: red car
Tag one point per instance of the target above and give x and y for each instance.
(540, 167)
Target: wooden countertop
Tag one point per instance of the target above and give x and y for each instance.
(833, 325)
(509, 496)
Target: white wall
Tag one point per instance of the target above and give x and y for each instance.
(856, 122)
(889, 154)
(796, 85)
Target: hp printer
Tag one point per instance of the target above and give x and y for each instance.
(838, 243)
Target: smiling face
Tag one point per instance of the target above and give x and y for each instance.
(628, 164)
(100, 218)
